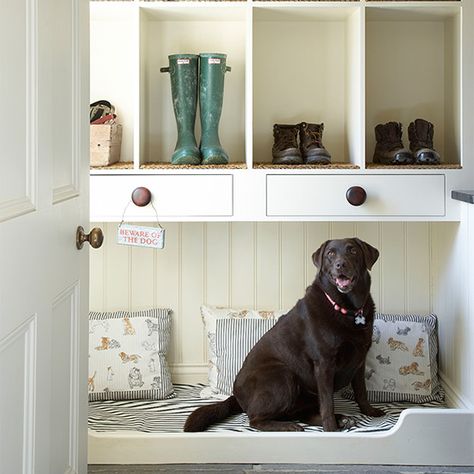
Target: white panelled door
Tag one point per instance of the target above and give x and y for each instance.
(44, 82)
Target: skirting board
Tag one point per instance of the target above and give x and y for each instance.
(453, 398)
(188, 373)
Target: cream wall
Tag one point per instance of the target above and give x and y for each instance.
(268, 265)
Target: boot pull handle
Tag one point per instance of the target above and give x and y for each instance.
(167, 69)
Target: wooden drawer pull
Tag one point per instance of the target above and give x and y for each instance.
(141, 196)
(356, 196)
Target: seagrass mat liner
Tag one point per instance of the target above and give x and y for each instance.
(120, 165)
(128, 165)
(442, 166)
(332, 166)
(158, 165)
(154, 166)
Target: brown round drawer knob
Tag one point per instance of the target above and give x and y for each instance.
(356, 195)
(141, 196)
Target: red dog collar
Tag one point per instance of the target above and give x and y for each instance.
(359, 314)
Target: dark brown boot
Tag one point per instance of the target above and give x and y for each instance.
(420, 133)
(389, 149)
(285, 149)
(311, 144)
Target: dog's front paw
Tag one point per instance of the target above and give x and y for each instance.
(372, 411)
(345, 422)
(330, 424)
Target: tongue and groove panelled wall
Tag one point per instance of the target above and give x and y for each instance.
(268, 266)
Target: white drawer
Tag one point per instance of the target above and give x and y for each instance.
(173, 196)
(325, 195)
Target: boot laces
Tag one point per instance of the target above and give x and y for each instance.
(284, 140)
(314, 137)
(419, 142)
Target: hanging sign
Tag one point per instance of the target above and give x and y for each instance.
(141, 236)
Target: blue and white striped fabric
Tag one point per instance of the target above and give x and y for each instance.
(234, 340)
(168, 416)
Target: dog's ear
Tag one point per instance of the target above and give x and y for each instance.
(318, 255)
(371, 254)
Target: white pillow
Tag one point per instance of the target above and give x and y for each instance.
(127, 355)
(402, 363)
(210, 315)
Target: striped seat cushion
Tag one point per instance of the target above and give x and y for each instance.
(168, 416)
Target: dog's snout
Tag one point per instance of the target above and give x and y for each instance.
(340, 264)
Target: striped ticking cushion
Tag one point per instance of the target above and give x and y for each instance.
(402, 363)
(234, 340)
(210, 316)
(127, 355)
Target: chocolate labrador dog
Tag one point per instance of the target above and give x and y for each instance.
(315, 349)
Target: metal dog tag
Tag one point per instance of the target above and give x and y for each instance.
(359, 319)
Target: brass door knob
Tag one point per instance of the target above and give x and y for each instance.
(95, 237)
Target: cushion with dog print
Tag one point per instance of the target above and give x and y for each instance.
(127, 355)
(402, 363)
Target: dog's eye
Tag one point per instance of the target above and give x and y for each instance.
(352, 250)
(331, 253)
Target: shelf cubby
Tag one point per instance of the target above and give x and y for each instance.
(112, 72)
(182, 28)
(306, 68)
(412, 70)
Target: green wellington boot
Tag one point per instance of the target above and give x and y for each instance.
(183, 69)
(211, 91)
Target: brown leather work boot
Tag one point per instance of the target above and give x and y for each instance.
(311, 144)
(285, 149)
(389, 149)
(420, 133)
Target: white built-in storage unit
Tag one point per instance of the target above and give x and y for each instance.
(350, 64)
(242, 234)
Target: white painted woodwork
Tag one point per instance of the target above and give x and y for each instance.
(421, 436)
(277, 195)
(43, 198)
(18, 127)
(187, 196)
(364, 56)
(416, 196)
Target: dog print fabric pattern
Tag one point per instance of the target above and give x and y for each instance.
(127, 355)
(402, 363)
(210, 316)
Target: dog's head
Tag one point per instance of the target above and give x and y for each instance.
(345, 261)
